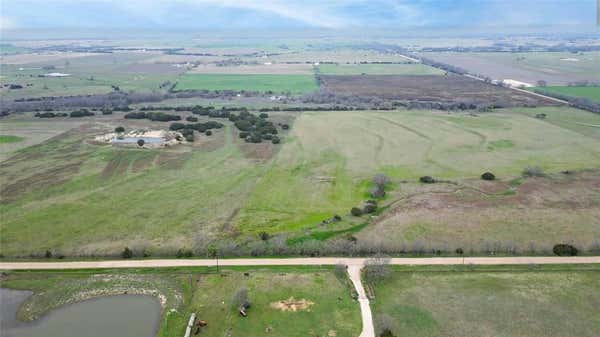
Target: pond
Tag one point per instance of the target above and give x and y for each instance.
(123, 316)
(130, 140)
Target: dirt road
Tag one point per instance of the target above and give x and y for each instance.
(309, 261)
(368, 330)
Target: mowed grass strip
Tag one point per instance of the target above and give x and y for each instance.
(379, 69)
(251, 82)
(592, 93)
(511, 303)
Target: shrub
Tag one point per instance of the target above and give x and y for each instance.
(208, 133)
(240, 300)
(356, 211)
(370, 208)
(127, 253)
(48, 254)
(264, 236)
(427, 180)
(81, 113)
(377, 192)
(189, 137)
(176, 126)
(140, 142)
(191, 119)
(263, 115)
(533, 172)
(337, 218)
(488, 176)
(107, 111)
(540, 116)
(119, 129)
(244, 134)
(275, 140)
(181, 253)
(459, 251)
(285, 126)
(135, 115)
(563, 249)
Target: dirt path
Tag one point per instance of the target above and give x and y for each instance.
(365, 309)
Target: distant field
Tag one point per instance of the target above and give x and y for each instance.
(89, 74)
(556, 68)
(275, 83)
(78, 198)
(261, 69)
(450, 88)
(592, 93)
(378, 69)
(516, 303)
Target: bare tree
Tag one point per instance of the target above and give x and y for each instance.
(377, 268)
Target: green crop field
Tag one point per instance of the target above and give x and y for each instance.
(75, 197)
(324, 302)
(518, 303)
(250, 82)
(10, 139)
(378, 69)
(592, 93)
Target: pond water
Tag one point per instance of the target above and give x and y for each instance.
(128, 140)
(122, 316)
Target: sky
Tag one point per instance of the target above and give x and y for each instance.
(292, 14)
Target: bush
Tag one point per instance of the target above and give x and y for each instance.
(244, 134)
(275, 140)
(191, 119)
(48, 254)
(140, 142)
(533, 172)
(127, 253)
(119, 129)
(563, 249)
(264, 236)
(181, 253)
(356, 211)
(427, 180)
(488, 176)
(208, 133)
(263, 115)
(240, 300)
(81, 113)
(107, 111)
(176, 126)
(285, 126)
(370, 208)
(459, 251)
(377, 192)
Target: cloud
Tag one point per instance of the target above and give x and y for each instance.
(8, 23)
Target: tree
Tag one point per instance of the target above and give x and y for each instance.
(377, 269)
(127, 253)
(542, 83)
(264, 236)
(427, 180)
(48, 254)
(563, 249)
(140, 142)
(380, 180)
(208, 133)
(119, 129)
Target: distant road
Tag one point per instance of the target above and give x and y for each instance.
(309, 261)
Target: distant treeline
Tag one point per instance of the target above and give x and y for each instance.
(576, 102)
(510, 48)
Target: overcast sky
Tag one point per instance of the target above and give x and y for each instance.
(266, 14)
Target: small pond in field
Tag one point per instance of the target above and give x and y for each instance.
(122, 316)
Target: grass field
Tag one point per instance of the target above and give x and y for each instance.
(592, 93)
(378, 69)
(210, 296)
(77, 198)
(556, 68)
(519, 303)
(276, 83)
(4, 139)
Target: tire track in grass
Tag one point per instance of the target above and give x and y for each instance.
(427, 154)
